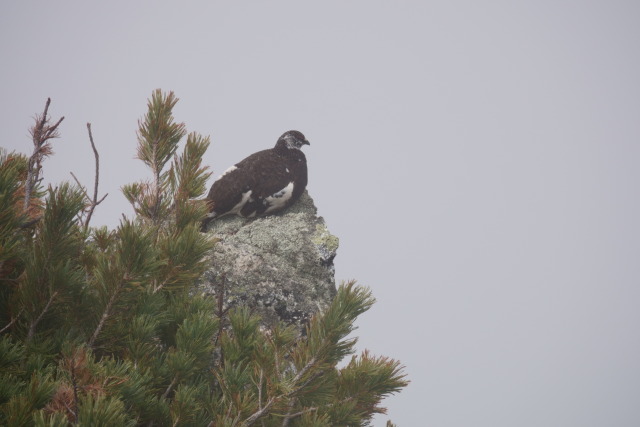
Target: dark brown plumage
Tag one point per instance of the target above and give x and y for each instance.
(263, 183)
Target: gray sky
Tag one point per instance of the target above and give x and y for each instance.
(478, 160)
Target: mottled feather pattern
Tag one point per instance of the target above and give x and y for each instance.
(265, 182)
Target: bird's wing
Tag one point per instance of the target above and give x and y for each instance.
(268, 173)
(262, 173)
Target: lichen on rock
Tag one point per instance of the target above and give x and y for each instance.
(280, 265)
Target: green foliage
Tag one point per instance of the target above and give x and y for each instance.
(158, 135)
(103, 411)
(102, 327)
(12, 168)
(52, 275)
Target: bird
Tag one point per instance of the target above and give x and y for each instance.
(263, 183)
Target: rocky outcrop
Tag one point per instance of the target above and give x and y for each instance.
(281, 265)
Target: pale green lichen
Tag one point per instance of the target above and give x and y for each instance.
(280, 265)
(323, 238)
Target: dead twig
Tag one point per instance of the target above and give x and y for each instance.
(41, 132)
(95, 202)
(84, 191)
(92, 201)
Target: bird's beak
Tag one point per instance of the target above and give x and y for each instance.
(305, 142)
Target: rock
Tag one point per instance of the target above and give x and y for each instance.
(281, 265)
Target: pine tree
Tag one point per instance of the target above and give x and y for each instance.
(102, 327)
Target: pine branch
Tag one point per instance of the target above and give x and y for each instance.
(220, 312)
(158, 138)
(157, 192)
(168, 390)
(32, 327)
(289, 417)
(105, 314)
(74, 382)
(327, 331)
(260, 389)
(304, 370)
(30, 223)
(259, 413)
(13, 320)
(265, 410)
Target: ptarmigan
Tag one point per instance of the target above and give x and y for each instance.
(263, 183)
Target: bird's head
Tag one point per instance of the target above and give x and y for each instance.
(293, 140)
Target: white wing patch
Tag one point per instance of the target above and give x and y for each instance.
(241, 203)
(279, 199)
(230, 169)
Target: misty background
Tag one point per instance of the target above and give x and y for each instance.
(479, 162)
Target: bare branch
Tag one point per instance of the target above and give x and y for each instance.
(94, 201)
(44, 114)
(101, 200)
(84, 190)
(41, 133)
(54, 128)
